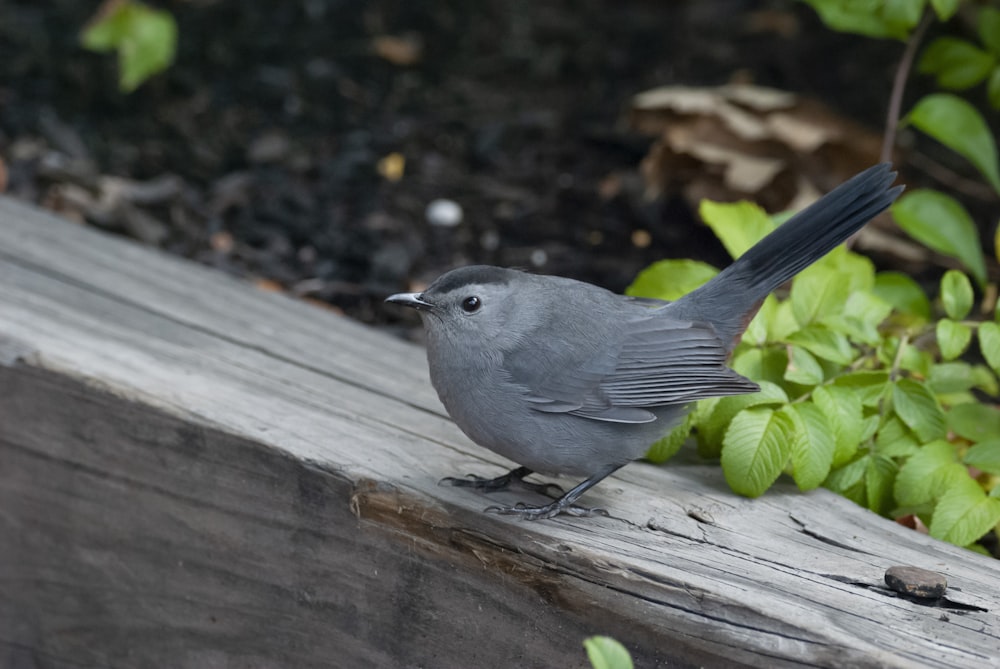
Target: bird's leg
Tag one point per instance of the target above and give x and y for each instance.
(512, 479)
(562, 505)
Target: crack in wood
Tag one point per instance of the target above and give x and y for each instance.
(815, 534)
(941, 602)
(699, 514)
(652, 525)
(387, 505)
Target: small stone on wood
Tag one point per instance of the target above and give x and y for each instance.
(916, 582)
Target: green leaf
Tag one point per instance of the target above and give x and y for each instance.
(916, 406)
(670, 279)
(927, 473)
(952, 377)
(952, 337)
(145, 38)
(756, 333)
(985, 456)
(869, 385)
(803, 368)
(964, 513)
(773, 322)
(817, 294)
(107, 30)
(869, 425)
(945, 9)
(955, 123)
(854, 269)
(955, 63)
(993, 88)
(903, 13)
(850, 480)
(942, 223)
(956, 294)
(989, 344)
(820, 292)
(761, 364)
(857, 17)
(607, 653)
(824, 343)
(665, 448)
(988, 26)
(986, 380)
(842, 408)
(738, 225)
(711, 431)
(703, 409)
(895, 440)
(862, 315)
(782, 322)
(755, 449)
(903, 293)
(813, 447)
(880, 475)
(974, 421)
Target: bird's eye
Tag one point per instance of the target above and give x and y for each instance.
(471, 304)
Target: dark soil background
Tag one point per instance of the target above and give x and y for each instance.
(259, 150)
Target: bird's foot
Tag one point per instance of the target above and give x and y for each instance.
(548, 511)
(512, 479)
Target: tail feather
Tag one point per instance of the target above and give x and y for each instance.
(730, 299)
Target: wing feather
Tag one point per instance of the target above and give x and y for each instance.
(650, 360)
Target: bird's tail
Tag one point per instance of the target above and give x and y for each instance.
(731, 299)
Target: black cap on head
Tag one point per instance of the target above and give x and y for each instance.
(471, 275)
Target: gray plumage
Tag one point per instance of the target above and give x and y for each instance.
(564, 377)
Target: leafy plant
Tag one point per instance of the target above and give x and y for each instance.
(145, 39)
(957, 64)
(861, 390)
(865, 389)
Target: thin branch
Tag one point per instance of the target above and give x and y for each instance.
(899, 84)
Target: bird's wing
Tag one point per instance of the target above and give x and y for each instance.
(666, 361)
(649, 361)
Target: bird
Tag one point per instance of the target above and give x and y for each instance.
(567, 378)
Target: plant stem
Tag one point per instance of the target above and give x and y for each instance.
(899, 84)
(904, 341)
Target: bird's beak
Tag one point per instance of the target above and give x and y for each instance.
(415, 300)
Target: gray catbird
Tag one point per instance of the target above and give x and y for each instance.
(563, 377)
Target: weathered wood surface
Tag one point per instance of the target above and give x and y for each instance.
(197, 474)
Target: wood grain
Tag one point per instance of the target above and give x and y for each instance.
(194, 473)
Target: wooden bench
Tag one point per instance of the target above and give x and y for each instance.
(195, 473)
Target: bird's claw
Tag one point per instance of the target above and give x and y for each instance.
(526, 512)
(473, 481)
(503, 483)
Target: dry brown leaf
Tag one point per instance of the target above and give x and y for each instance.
(745, 141)
(405, 50)
(759, 98)
(798, 133)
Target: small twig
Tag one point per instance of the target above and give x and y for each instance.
(904, 341)
(951, 179)
(899, 84)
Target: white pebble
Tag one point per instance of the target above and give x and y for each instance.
(539, 257)
(444, 213)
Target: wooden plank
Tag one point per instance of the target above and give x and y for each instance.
(195, 473)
